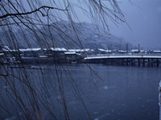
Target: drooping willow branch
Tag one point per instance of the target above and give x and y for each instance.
(31, 12)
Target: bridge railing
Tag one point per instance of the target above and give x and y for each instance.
(128, 54)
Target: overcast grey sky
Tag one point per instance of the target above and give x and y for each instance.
(144, 19)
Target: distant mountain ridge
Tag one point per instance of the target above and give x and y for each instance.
(63, 34)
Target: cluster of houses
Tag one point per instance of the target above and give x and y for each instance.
(60, 54)
(28, 55)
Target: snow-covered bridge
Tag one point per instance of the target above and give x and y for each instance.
(131, 60)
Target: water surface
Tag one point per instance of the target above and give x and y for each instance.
(95, 92)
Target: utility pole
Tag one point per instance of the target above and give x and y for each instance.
(127, 47)
(139, 48)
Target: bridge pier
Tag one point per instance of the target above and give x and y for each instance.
(157, 62)
(143, 62)
(139, 62)
(149, 63)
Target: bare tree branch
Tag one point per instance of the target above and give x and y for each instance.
(30, 12)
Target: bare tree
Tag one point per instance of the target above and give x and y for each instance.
(32, 15)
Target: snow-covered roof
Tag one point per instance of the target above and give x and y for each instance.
(75, 50)
(5, 48)
(104, 50)
(58, 49)
(100, 49)
(29, 49)
(1, 54)
(142, 51)
(134, 50)
(79, 50)
(123, 51)
(69, 53)
(11, 50)
(157, 51)
(87, 49)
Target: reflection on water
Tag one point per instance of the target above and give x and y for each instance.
(82, 92)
